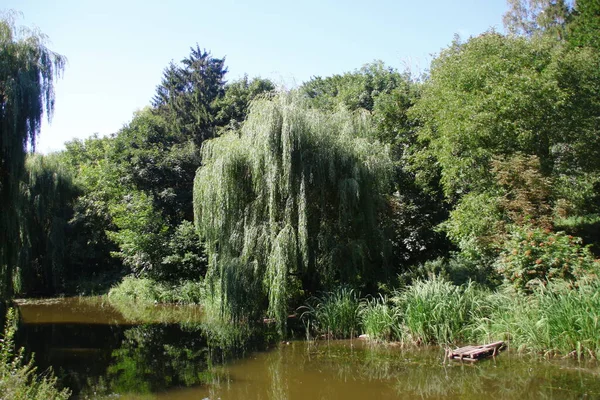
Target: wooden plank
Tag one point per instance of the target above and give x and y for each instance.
(478, 351)
(495, 344)
(465, 348)
(462, 349)
(464, 359)
(474, 353)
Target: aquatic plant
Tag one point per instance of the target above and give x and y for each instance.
(334, 314)
(19, 379)
(436, 311)
(553, 319)
(380, 319)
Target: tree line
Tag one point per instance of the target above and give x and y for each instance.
(372, 178)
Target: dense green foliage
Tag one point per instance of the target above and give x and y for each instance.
(137, 185)
(463, 204)
(536, 256)
(46, 209)
(27, 74)
(290, 203)
(584, 25)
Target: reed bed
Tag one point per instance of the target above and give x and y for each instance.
(557, 319)
(334, 314)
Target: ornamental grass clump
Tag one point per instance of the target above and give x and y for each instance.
(553, 319)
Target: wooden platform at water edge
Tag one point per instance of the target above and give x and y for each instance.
(474, 353)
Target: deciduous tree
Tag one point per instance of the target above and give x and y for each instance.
(27, 73)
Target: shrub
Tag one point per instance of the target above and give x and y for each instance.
(135, 289)
(146, 290)
(538, 255)
(19, 379)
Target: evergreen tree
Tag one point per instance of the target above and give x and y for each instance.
(186, 94)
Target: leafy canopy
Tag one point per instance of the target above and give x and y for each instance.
(291, 203)
(27, 72)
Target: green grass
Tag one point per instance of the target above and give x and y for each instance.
(553, 320)
(436, 311)
(145, 290)
(334, 314)
(19, 379)
(380, 319)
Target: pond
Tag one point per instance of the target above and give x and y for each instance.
(162, 352)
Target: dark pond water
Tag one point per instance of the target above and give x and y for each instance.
(162, 353)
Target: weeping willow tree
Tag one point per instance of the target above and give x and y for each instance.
(290, 204)
(27, 72)
(48, 195)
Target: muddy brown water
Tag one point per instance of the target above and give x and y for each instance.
(161, 352)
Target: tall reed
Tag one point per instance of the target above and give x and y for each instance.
(335, 314)
(554, 319)
(380, 319)
(436, 311)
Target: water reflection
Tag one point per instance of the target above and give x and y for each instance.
(103, 352)
(154, 358)
(98, 350)
(352, 370)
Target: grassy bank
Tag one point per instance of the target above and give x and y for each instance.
(555, 319)
(145, 290)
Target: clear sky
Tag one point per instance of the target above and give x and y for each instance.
(117, 49)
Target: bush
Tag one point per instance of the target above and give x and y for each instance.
(533, 255)
(19, 379)
(459, 269)
(146, 290)
(135, 289)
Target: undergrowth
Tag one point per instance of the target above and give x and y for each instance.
(146, 290)
(19, 378)
(334, 314)
(559, 318)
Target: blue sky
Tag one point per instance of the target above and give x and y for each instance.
(117, 50)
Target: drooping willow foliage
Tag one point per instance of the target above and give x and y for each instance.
(290, 204)
(48, 194)
(27, 72)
